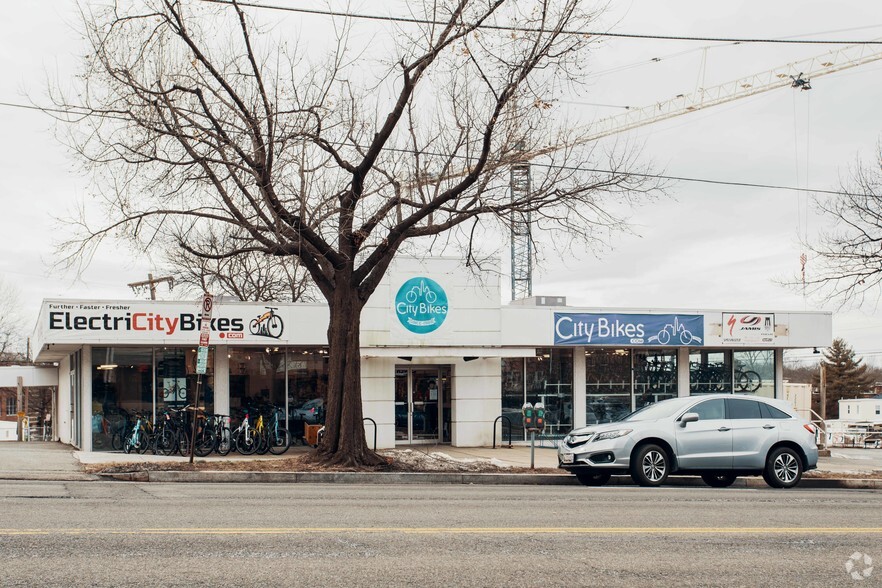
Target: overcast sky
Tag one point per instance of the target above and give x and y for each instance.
(706, 246)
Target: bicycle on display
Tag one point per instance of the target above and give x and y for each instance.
(272, 435)
(747, 381)
(269, 324)
(245, 439)
(140, 438)
(171, 433)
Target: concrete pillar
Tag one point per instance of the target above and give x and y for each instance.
(85, 370)
(222, 379)
(682, 371)
(779, 373)
(580, 402)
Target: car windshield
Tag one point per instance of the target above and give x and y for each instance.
(654, 412)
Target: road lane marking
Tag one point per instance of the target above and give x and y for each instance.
(457, 531)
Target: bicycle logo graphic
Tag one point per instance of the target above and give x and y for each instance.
(675, 331)
(269, 324)
(422, 289)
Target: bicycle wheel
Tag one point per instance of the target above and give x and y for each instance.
(165, 442)
(224, 443)
(247, 444)
(280, 441)
(117, 440)
(754, 381)
(204, 442)
(146, 442)
(274, 328)
(263, 443)
(183, 442)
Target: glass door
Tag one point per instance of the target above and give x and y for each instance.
(418, 398)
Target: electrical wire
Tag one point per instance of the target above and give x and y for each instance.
(410, 20)
(86, 112)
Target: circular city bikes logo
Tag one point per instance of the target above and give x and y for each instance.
(859, 566)
(421, 305)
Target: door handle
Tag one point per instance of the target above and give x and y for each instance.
(768, 426)
(724, 429)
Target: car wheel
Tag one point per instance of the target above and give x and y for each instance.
(783, 468)
(593, 477)
(650, 466)
(719, 480)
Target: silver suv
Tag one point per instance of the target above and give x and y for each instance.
(716, 436)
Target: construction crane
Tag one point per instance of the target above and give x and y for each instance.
(797, 75)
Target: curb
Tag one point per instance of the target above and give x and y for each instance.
(382, 478)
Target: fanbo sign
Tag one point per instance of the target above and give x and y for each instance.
(421, 305)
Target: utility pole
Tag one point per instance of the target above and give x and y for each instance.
(151, 283)
(822, 389)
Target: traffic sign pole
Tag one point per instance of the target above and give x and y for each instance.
(201, 362)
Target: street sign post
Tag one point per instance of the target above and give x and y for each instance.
(201, 361)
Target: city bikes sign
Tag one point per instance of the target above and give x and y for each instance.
(152, 322)
(421, 305)
(628, 329)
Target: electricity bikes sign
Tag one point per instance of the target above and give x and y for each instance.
(421, 305)
(628, 329)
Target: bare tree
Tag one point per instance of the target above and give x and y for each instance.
(255, 275)
(197, 123)
(12, 339)
(849, 256)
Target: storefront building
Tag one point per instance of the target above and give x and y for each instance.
(441, 358)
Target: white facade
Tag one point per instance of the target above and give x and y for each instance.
(868, 410)
(465, 333)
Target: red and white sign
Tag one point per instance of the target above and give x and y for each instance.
(748, 328)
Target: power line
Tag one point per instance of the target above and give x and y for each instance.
(410, 20)
(82, 111)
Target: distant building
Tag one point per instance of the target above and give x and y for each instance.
(859, 423)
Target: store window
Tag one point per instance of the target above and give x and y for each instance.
(655, 376)
(307, 373)
(513, 396)
(122, 387)
(549, 379)
(710, 372)
(257, 379)
(176, 379)
(755, 372)
(607, 385)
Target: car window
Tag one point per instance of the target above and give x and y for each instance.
(740, 408)
(710, 409)
(770, 412)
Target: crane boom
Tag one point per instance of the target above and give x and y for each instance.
(796, 75)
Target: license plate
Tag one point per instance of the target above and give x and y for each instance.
(566, 458)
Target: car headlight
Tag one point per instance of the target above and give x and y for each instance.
(612, 434)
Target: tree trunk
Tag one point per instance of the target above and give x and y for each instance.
(344, 441)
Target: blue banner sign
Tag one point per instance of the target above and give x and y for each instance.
(628, 329)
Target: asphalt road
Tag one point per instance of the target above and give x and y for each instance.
(128, 534)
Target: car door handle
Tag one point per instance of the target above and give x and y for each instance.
(724, 429)
(768, 426)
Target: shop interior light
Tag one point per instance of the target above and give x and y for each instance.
(107, 366)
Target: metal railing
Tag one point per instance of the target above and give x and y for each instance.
(508, 420)
(373, 422)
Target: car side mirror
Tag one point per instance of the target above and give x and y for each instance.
(689, 417)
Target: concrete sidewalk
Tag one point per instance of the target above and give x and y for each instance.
(54, 461)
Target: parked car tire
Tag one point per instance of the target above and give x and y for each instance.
(783, 468)
(650, 465)
(719, 480)
(592, 477)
